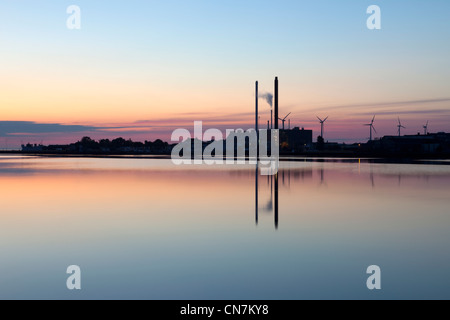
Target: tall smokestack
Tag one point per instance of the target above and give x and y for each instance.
(256, 121)
(276, 103)
(276, 175)
(256, 107)
(271, 119)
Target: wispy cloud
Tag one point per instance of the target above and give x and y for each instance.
(12, 128)
(378, 105)
(441, 112)
(189, 118)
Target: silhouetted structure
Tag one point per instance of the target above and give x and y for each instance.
(320, 143)
(410, 145)
(296, 140)
(322, 123)
(371, 127)
(284, 120)
(276, 104)
(105, 146)
(32, 147)
(256, 111)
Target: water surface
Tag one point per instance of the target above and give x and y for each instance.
(146, 229)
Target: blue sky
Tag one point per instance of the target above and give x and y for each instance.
(147, 60)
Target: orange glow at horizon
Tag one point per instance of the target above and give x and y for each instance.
(146, 108)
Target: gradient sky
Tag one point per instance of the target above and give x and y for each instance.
(140, 69)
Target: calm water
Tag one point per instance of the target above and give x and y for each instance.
(142, 228)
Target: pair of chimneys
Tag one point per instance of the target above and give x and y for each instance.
(275, 102)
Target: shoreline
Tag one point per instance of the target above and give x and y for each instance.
(313, 156)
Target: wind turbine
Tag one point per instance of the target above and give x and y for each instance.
(321, 125)
(284, 119)
(400, 126)
(425, 128)
(371, 127)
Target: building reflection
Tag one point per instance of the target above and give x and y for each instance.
(271, 205)
(276, 200)
(256, 195)
(368, 174)
(267, 188)
(322, 177)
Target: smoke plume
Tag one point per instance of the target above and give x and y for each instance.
(268, 97)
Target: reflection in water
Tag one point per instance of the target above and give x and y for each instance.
(256, 194)
(322, 176)
(368, 171)
(145, 229)
(372, 179)
(269, 207)
(276, 200)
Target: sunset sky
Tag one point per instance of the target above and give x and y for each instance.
(140, 69)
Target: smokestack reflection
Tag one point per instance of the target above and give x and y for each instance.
(256, 195)
(276, 201)
(273, 184)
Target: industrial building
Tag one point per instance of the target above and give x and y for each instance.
(291, 141)
(295, 140)
(430, 144)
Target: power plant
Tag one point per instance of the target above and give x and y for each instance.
(291, 140)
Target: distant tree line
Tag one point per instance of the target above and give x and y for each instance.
(104, 146)
(122, 145)
(118, 143)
